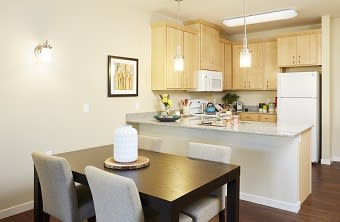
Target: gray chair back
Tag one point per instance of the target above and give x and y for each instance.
(115, 198)
(209, 152)
(149, 143)
(57, 187)
(214, 153)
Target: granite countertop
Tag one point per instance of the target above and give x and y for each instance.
(246, 127)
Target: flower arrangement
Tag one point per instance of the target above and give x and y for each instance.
(167, 103)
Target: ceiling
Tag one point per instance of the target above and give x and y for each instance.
(309, 11)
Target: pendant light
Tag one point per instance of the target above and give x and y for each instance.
(245, 54)
(178, 60)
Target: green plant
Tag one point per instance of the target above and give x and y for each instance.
(229, 98)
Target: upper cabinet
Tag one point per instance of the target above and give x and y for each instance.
(226, 64)
(248, 78)
(209, 46)
(270, 65)
(299, 49)
(262, 73)
(165, 39)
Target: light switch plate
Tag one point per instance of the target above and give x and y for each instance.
(86, 108)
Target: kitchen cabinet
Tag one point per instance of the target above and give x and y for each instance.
(165, 39)
(267, 117)
(248, 78)
(270, 64)
(245, 116)
(262, 117)
(209, 46)
(299, 49)
(226, 61)
(262, 73)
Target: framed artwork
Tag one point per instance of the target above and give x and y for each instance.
(122, 76)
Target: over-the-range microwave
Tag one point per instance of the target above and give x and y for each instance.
(208, 81)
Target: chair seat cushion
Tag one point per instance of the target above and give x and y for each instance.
(85, 202)
(204, 209)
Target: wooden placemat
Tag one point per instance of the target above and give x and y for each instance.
(141, 162)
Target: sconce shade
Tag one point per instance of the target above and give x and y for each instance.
(43, 52)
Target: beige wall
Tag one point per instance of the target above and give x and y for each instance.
(42, 105)
(335, 89)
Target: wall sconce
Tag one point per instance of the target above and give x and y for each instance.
(43, 52)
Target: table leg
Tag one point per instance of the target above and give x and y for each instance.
(39, 215)
(233, 200)
(168, 214)
(221, 216)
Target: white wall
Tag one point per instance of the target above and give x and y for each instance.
(42, 105)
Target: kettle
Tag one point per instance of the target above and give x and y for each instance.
(210, 109)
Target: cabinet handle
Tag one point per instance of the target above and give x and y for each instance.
(267, 84)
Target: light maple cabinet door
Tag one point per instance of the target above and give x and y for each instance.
(267, 117)
(270, 65)
(255, 72)
(209, 47)
(244, 116)
(240, 75)
(315, 49)
(286, 47)
(220, 64)
(228, 72)
(190, 60)
(174, 79)
(303, 50)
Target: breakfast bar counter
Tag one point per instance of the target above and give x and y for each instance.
(245, 127)
(275, 163)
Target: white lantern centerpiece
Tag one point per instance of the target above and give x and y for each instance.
(125, 144)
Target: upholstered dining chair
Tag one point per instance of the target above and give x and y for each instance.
(209, 206)
(149, 143)
(116, 198)
(61, 198)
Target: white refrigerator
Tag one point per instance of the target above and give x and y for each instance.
(298, 103)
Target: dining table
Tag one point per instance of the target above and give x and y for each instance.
(168, 184)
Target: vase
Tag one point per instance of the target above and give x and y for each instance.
(125, 144)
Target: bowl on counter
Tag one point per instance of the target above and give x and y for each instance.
(171, 118)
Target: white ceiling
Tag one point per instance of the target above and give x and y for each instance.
(310, 11)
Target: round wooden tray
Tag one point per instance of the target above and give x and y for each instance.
(141, 162)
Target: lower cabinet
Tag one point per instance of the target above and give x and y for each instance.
(262, 117)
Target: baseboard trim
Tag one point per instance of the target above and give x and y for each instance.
(336, 158)
(326, 161)
(16, 209)
(271, 203)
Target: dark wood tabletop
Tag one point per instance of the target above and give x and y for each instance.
(168, 184)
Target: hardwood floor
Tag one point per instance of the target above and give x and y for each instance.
(321, 206)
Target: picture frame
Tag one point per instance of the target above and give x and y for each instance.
(122, 76)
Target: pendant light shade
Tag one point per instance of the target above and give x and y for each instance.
(245, 58)
(178, 60)
(179, 63)
(245, 54)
